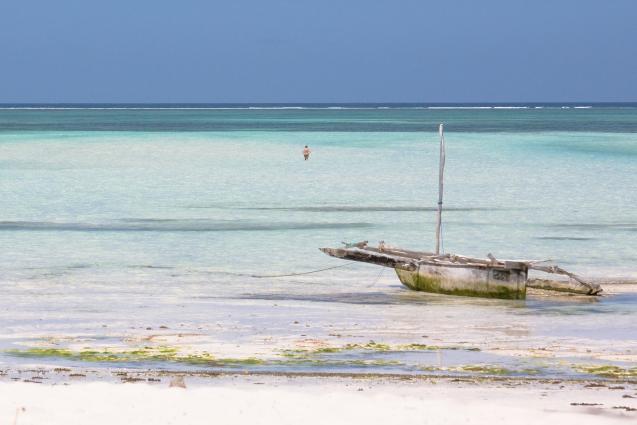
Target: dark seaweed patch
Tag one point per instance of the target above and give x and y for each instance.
(151, 225)
(350, 208)
(564, 238)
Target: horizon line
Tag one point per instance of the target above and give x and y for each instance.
(323, 103)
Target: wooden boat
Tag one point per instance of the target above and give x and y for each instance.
(460, 275)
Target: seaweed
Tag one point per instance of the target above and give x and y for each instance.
(608, 371)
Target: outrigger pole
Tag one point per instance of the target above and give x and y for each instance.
(440, 187)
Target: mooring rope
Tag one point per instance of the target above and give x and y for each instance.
(382, 269)
(302, 273)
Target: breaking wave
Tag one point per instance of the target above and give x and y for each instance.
(187, 107)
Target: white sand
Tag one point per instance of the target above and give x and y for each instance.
(302, 401)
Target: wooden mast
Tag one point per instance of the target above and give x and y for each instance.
(440, 187)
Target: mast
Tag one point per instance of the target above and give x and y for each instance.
(440, 187)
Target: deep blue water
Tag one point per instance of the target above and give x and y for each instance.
(475, 118)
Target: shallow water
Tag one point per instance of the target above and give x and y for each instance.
(114, 221)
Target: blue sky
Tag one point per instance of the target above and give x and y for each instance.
(317, 51)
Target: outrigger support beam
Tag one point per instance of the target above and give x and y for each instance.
(575, 284)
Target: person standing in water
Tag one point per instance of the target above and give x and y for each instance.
(306, 152)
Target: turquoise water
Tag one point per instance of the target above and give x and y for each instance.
(164, 191)
(109, 212)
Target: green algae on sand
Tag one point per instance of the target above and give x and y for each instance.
(144, 354)
(370, 346)
(169, 354)
(482, 369)
(608, 371)
(486, 369)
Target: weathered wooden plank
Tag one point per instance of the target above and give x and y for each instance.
(368, 256)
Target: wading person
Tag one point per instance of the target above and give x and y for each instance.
(306, 152)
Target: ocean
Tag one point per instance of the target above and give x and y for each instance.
(116, 220)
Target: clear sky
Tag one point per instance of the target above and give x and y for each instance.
(317, 51)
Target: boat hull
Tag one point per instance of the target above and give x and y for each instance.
(485, 282)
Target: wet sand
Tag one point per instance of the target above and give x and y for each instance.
(318, 356)
(388, 331)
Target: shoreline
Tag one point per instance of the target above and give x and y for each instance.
(181, 398)
(135, 375)
(539, 339)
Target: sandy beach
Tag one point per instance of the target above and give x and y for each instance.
(450, 360)
(280, 399)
